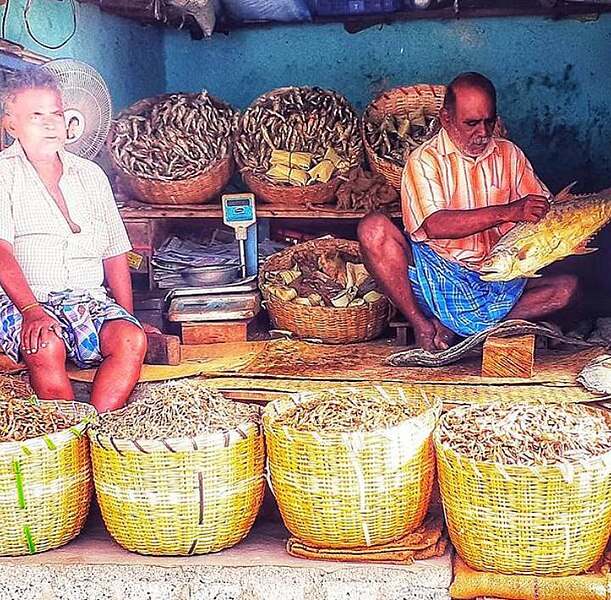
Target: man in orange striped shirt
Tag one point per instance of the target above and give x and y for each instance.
(460, 192)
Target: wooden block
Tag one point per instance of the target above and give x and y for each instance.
(162, 349)
(401, 328)
(214, 332)
(508, 356)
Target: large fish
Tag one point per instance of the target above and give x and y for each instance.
(566, 229)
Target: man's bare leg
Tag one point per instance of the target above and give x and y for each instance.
(387, 255)
(123, 346)
(545, 296)
(47, 371)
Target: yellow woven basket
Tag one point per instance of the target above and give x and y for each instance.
(347, 490)
(522, 519)
(45, 486)
(180, 496)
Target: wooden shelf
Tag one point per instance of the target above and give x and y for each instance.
(138, 210)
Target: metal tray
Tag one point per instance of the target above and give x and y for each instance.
(211, 275)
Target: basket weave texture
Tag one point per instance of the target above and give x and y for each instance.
(327, 323)
(284, 193)
(401, 101)
(45, 486)
(202, 188)
(354, 489)
(180, 496)
(523, 519)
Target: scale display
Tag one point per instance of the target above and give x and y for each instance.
(238, 210)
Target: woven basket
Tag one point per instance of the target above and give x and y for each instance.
(180, 496)
(329, 324)
(348, 490)
(401, 101)
(45, 486)
(525, 520)
(284, 193)
(199, 189)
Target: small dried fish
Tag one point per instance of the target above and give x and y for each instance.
(298, 119)
(530, 434)
(596, 375)
(21, 419)
(343, 411)
(175, 409)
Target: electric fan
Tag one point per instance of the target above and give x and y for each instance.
(87, 106)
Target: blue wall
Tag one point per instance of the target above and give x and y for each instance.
(553, 77)
(129, 56)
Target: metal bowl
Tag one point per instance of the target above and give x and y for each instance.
(213, 275)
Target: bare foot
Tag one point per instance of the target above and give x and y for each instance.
(444, 337)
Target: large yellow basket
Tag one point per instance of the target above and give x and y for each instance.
(45, 486)
(180, 496)
(347, 490)
(512, 519)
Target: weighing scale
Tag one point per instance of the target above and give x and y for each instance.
(233, 301)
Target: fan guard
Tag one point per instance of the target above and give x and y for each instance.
(87, 105)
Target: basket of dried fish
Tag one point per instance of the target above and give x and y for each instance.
(526, 487)
(321, 289)
(45, 473)
(179, 470)
(174, 148)
(294, 143)
(395, 123)
(351, 467)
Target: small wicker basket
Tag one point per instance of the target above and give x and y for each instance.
(329, 324)
(352, 489)
(284, 193)
(180, 496)
(45, 485)
(203, 187)
(399, 101)
(524, 519)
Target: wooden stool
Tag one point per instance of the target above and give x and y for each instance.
(214, 332)
(508, 356)
(400, 328)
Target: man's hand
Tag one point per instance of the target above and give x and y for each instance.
(36, 330)
(531, 208)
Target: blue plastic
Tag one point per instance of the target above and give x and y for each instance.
(353, 7)
(267, 10)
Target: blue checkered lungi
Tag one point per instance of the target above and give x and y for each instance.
(81, 317)
(457, 296)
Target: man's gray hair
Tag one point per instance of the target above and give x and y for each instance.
(32, 78)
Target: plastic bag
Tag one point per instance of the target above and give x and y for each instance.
(267, 10)
(201, 10)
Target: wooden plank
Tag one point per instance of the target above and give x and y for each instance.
(214, 332)
(508, 356)
(162, 349)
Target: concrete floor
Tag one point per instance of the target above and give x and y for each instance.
(94, 567)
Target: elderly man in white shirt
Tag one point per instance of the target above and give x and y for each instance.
(61, 240)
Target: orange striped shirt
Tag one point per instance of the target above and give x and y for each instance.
(437, 176)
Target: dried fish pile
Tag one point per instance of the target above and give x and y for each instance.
(330, 277)
(176, 137)
(21, 419)
(529, 434)
(348, 411)
(364, 190)
(175, 409)
(15, 386)
(298, 119)
(394, 137)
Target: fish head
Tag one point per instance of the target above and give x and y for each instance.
(498, 267)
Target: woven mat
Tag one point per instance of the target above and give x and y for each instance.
(469, 583)
(290, 366)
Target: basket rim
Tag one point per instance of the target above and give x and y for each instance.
(48, 440)
(576, 465)
(222, 438)
(429, 415)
